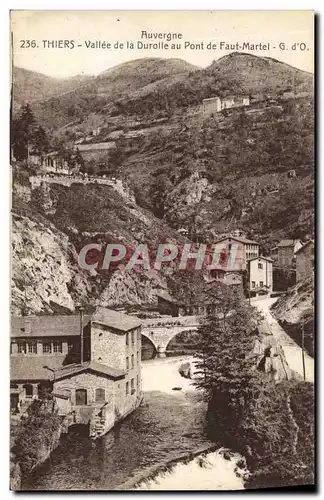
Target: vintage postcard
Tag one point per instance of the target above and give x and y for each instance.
(162, 250)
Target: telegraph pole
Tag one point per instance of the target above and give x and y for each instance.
(303, 348)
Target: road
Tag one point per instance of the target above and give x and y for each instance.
(292, 350)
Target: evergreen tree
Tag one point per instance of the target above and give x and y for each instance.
(27, 136)
(40, 141)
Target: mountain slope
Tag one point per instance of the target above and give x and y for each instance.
(53, 222)
(30, 86)
(212, 174)
(260, 74)
(98, 95)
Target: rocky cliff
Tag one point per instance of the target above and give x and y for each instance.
(45, 275)
(52, 222)
(295, 312)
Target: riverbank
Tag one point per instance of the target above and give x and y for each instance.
(33, 439)
(168, 427)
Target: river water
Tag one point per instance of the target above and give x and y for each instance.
(170, 423)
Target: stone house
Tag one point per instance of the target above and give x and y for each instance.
(235, 101)
(215, 104)
(95, 374)
(211, 105)
(40, 345)
(305, 261)
(200, 306)
(53, 162)
(260, 276)
(228, 277)
(286, 252)
(236, 252)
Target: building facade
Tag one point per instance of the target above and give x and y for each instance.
(215, 104)
(211, 105)
(260, 274)
(96, 373)
(305, 261)
(286, 252)
(235, 252)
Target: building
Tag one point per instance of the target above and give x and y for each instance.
(286, 252)
(91, 363)
(228, 277)
(235, 101)
(202, 306)
(305, 261)
(211, 106)
(274, 254)
(260, 276)
(236, 252)
(215, 104)
(53, 162)
(183, 231)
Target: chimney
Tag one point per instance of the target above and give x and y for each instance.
(81, 334)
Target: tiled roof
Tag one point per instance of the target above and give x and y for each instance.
(116, 320)
(32, 367)
(306, 244)
(262, 258)
(47, 326)
(287, 243)
(163, 294)
(240, 239)
(71, 370)
(210, 98)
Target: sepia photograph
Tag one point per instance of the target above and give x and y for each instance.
(162, 333)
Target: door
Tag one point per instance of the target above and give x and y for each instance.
(81, 397)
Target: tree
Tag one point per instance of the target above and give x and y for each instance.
(40, 140)
(78, 159)
(27, 136)
(159, 191)
(227, 367)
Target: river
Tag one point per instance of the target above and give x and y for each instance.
(168, 425)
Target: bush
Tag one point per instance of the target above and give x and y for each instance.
(36, 438)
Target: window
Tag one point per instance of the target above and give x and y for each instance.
(81, 397)
(127, 388)
(137, 380)
(127, 338)
(57, 346)
(22, 347)
(47, 347)
(132, 386)
(100, 395)
(127, 363)
(132, 360)
(32, 347)
(138, 357)
(133, 338)
(253, 284)
(260, 265)
(261, 283)
(28, 390)
(71, 347)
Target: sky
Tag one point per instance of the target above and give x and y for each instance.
(293, 28)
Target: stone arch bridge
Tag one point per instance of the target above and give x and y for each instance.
(160, 331)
